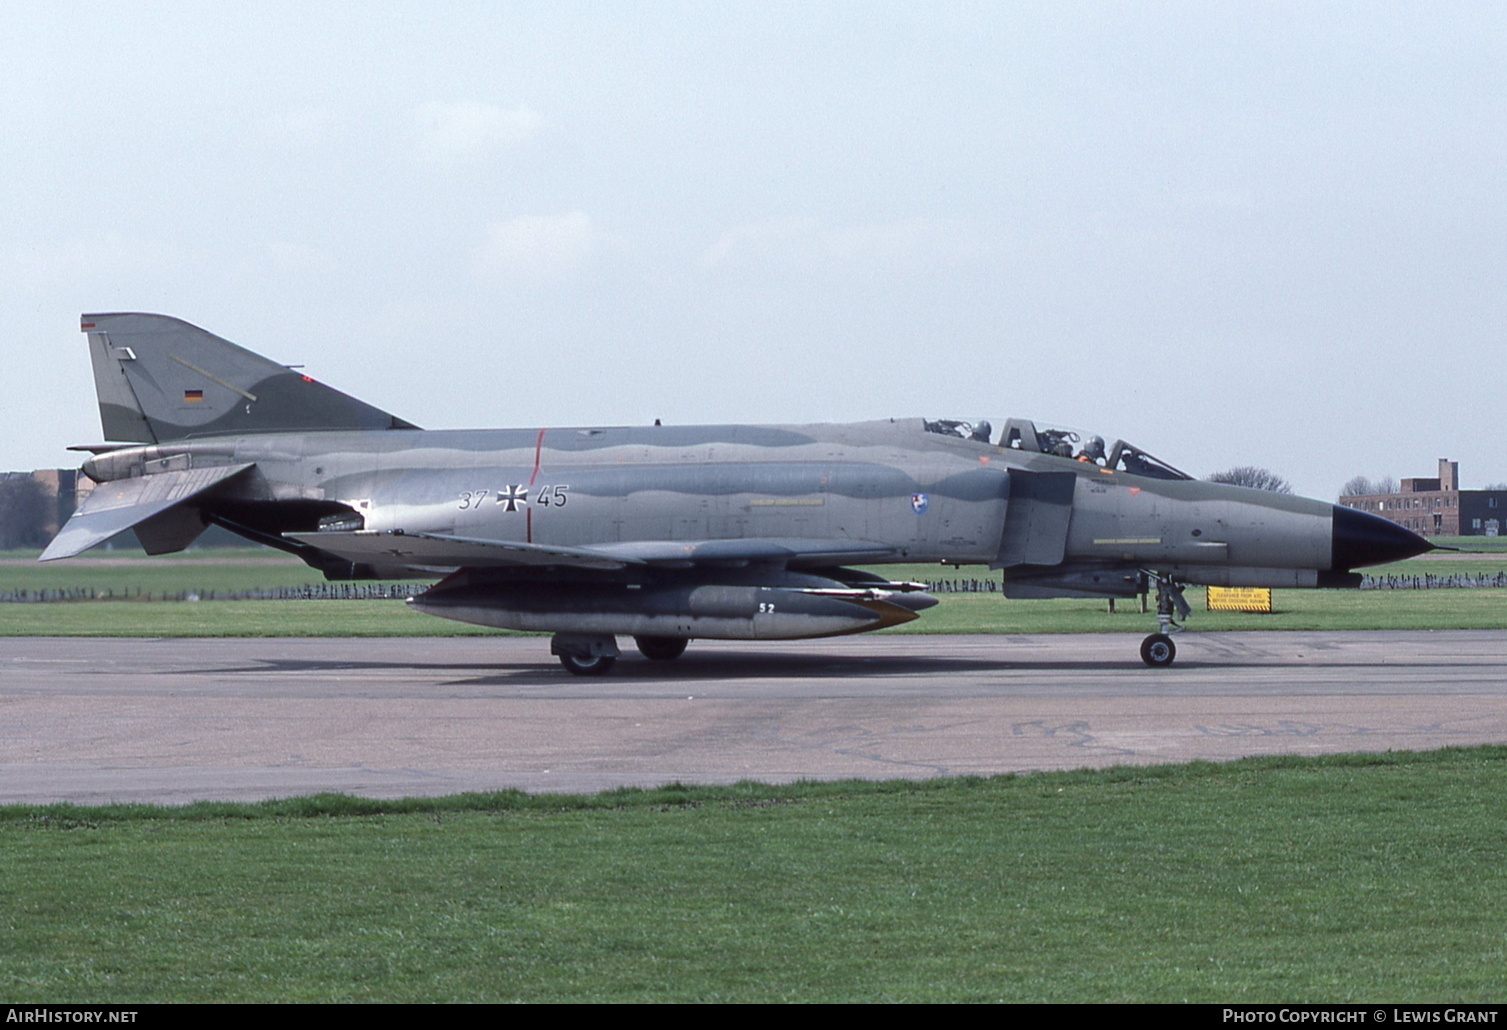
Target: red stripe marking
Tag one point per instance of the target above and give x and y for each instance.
(528, 511)
(86, 325)
(538, 446)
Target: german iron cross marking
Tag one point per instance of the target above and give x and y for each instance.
(513, 496)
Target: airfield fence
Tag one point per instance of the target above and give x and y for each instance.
(1427, 581)
(307, 592)
(399, 591)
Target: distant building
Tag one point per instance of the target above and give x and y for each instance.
(34, 505)
(1438, 507)
(62, 488)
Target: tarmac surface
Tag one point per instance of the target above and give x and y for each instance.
(170, 721)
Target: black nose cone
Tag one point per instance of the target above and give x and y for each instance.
(1361, 538)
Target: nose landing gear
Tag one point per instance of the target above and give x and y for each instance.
(1158, 650)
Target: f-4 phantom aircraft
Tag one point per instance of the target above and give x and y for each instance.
(668, 533)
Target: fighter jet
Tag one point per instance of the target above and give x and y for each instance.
(668, 533)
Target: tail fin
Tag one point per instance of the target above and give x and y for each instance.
(161, 379)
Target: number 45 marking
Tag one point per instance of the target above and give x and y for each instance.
(552, 496)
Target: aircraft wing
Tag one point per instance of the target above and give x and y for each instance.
(435, 550)
(796, 551)
(117, 506)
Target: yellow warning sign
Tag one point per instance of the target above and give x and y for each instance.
(1240, 599)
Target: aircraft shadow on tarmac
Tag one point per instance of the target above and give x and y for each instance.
(763, 665)
(744, 665)
(720, 666)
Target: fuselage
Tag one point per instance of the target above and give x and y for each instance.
(666, 533)
(923, 496)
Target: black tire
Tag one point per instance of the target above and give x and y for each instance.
(661, 649)
(1158, 650)
(587, 665)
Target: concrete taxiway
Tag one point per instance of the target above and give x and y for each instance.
(94, 720)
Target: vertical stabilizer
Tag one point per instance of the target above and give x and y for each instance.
(161, 379)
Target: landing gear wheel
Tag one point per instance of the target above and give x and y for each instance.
(1158, 650)
(661, 649)
(587, 665)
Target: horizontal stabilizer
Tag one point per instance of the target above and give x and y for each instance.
(117, 506)
(432, 550)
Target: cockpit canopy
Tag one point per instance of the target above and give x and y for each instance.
(1023, 435)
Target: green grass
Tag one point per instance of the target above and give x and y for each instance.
(1346, 878)
(128, 571)
(958, 613)
(226, 619)
(1277, 879)
(1296, 610)
(1486, 544)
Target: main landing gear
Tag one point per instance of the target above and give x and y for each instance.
(585, 654)
(590, 665)
(1158, 650)
(661, 649)
(593, 654)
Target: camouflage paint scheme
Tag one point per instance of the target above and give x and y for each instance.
(665, 533)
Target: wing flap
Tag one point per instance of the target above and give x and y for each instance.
(117, 506)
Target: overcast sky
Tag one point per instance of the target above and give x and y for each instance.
(1253, 233)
